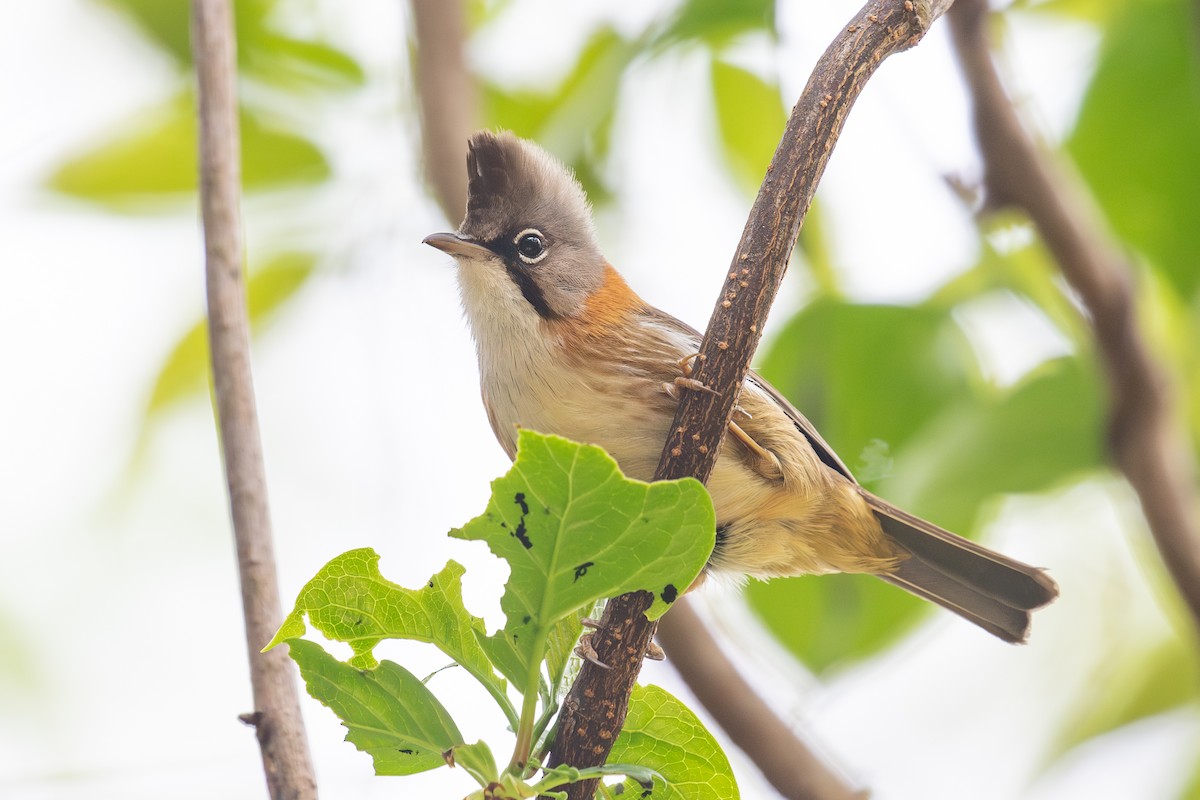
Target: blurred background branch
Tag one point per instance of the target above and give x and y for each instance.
(786, 761)
(1146, 438)
(447, 97)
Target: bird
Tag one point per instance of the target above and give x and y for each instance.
(566, 347)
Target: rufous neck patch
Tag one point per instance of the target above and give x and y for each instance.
(610, 305)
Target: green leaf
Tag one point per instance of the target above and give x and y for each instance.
(157, 157)
(574, 119)
(751, 119)
(477, 759)
(300, 64)
(1046, 429)
(662, 734)
(186, 369)
(573, 530)
(716, 22)
(1096, 11)
(261, 52)
(828, 621)
(388, 712)
(870, 374)
(1145, 173)
(1192, 790)
(906, 377)
(350, 601)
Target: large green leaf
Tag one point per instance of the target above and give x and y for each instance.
(717, 22)
(574, 119)
(573, 530)
(870, 376)
(827, 621)
(1192, 790)
(1135, 140)
(907, 377)
(186, 369)
(1096, 11)
(156, 160)
(388, 711)
(750, 117)
(1036, 435)
(262, 52)
(350, 601)
(664, 735)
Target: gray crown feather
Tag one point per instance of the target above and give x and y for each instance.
(513, 183)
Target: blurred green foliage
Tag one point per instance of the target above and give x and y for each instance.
(156, 158)
(906, 376)
(1137, 137)
(268, 288)
(264, 52)
(898, 390)
(150, 164)
(750, 115)
(574, 118)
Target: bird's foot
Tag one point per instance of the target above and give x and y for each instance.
(588, 653)
(766, 463)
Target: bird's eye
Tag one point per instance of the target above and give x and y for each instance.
(531, 246)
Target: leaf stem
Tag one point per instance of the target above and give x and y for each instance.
(528, 723)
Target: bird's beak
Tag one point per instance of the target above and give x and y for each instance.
(456, 245)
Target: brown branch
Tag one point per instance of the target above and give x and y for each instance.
(447, 97)
(277, 720)
(1145, 438)
(786, 762)
(595, 708)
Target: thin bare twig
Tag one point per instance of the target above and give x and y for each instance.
(594, 710)
(447, 96)
(786, 762)
(1145, 436)
(276, 718)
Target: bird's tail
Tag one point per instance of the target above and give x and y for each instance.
(992, 590)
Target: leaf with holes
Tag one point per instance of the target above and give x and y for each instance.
(350, 601)
(573, 530)
(388, 711)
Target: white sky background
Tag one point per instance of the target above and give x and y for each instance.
(125, 665)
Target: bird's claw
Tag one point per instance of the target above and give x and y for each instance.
(693, 384)
(588, 653)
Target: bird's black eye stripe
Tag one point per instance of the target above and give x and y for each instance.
(530, 246)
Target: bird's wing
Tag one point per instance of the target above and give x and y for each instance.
(824, 452)
(818, 444)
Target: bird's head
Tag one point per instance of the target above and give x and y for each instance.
(527, 243)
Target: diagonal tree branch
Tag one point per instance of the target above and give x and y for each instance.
(595, 708)
(1145, 436)
(276, 718)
